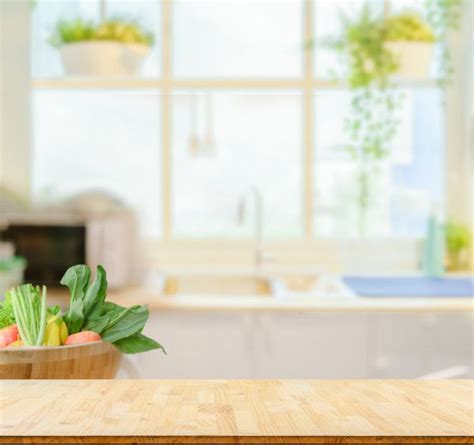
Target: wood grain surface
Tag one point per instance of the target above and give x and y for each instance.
(241, 411)
(97, 360)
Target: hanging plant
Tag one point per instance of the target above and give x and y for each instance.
(444, 16)
(367, 47)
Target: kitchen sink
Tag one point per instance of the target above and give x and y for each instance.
(217, 285)
(274, 284)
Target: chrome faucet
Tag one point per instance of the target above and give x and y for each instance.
(242, 210)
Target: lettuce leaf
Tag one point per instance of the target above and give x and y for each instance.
(7, 318)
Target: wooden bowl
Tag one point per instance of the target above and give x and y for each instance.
(95, 360)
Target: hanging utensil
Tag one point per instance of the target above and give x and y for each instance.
(193, 137)
(209, 140)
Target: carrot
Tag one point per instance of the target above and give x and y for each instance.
(82, 337)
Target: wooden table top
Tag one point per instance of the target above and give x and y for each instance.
(237, 411)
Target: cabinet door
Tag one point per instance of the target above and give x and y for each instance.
(452, 353)
(398, 345)
(312, 345)
(200, 345)
(413, 345)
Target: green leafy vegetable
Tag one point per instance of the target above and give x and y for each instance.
(54, 310)
(89, 311)
(76, 279)
(7, 317)
(137, 343)
(95, 295)
(127, 322)
(30, 313)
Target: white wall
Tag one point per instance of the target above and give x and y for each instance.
(459, 130)
(15, 97)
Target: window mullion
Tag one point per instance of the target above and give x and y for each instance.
(308, 128)
(166, 118)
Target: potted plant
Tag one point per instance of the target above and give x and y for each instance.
(372, 120)
(458, 241)
(410, 40)
(115, 47)
(375, 49)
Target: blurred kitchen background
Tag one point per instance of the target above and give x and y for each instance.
(287, 184)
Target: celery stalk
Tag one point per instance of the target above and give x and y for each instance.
(20, 316)
(29, 309)
(39, 340)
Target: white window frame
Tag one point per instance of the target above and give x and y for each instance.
(457, 156)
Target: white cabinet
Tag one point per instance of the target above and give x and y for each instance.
(313, 345)
(413, 345)
(310, 345)
(207, 345)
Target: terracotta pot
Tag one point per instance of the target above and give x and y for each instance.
(102, 58)
(414, 59)
(96, 360)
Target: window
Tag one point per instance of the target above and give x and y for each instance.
(406, 185)
(236, 78)
(82, 144)
(237, 38)
(257, 142)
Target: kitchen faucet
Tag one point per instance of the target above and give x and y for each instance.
(242, 210)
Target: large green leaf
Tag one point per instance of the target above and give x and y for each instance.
(95, 295)
(76, 279)
(124, 322)
(137, 343)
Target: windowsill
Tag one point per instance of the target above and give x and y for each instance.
(349, 256)
(63, 82)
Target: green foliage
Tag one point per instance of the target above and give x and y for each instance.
(29, 308)
(76, 278)
(364, 40)
(458, 237)
(444, 16)
(117, 30)
(88, 310)
(407, 26)
(6, 312)
(362, 45)
(372, 123)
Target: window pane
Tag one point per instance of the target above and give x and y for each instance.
(401, 189)
(46, 13)
(257, 143)
(100, 140)
(237, 38)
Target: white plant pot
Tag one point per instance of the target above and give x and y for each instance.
(414, 58)
(101, 58)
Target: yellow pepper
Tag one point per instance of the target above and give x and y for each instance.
(56, 331)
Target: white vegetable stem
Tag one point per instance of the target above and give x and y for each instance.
(42, 327)
(30, 313)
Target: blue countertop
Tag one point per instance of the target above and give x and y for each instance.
(399, 286)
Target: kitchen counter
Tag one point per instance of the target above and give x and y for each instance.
(267, 303)
(239, 411)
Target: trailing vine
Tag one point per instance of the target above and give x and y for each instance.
(375, 101)
(444, 16)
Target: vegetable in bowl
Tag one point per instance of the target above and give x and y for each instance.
(89, 316)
